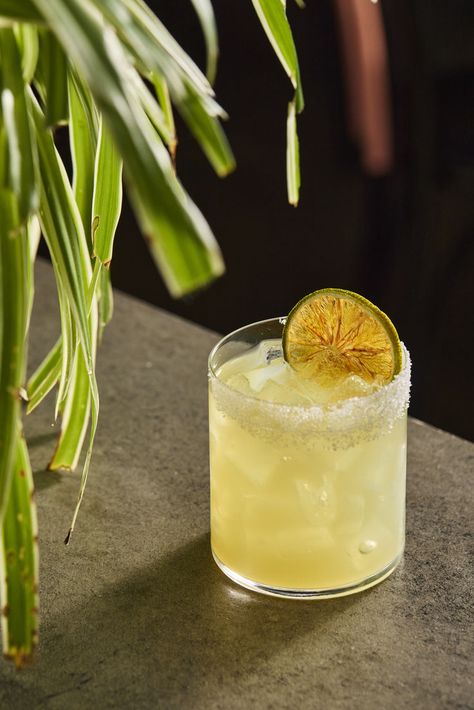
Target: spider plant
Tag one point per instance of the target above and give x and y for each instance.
(111, 72)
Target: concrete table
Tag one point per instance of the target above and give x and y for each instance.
(136, 615)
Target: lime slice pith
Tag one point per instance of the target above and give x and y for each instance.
(332, 334)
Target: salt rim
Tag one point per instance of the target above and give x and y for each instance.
(338, 426)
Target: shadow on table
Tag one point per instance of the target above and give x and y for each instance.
(43, 478)
(183, 626)
(41, 439)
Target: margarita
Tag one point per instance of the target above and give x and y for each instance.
(307, 480)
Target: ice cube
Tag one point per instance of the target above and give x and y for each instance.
(251, 459)
(274, 353)
(259, 377)
(352, 386)
(267, 351)
(311, 391)
(317, 500)
(282, 394)
(240, 383)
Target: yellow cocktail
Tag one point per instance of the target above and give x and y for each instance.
(307, 482)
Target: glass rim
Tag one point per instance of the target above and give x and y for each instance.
(406, 363)
(280, 319)
(373, 411)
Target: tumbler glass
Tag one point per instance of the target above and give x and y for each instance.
(306, 501)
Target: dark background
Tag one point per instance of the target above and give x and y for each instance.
(405, 241)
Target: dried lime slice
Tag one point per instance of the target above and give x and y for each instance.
(332, 334)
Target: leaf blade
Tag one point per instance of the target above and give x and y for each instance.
(28, 43)
(148, 40)
(64, 235)
(272, 16)
(209, 134)
(163, 96)
(273, 19)
(13, 318)
(75, 418)
(52, 68)
(20, 138)
(106, 301)
(183, 244)
(107, 198)
(23, 11)
(83, 129)
(292, 156)
(205, 13)
(19, 564)
(44, 377)
(18, 571)
(62, 229)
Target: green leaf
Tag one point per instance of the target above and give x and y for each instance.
(93, 288)
(208, 133)
(20, 140)
(19, 563)
(52, 70)
(152, 109)
(69, 341)
(272, 15)
(21, 10)
(18, 543)
(75, 418)
(107, 200)
(49, 371)
(83, 130)
(163, 95)
(180, 238)
(44, 377)
(142, 28)
(13, 318)
(64, 235)
(76, 406)
(106, 300)
(205, 13)
(28, 42)
(292, 156)
(62, 229)
(273, 19)
(76, 411)
(149, 42)
(33, 235)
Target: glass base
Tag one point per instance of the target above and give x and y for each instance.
(325, 593)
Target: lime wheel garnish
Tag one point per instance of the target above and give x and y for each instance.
(332, 334)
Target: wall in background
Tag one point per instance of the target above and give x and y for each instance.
(405, 240)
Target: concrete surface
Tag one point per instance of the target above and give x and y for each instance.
(136, 615)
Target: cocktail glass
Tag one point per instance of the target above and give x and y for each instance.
(307, 501)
